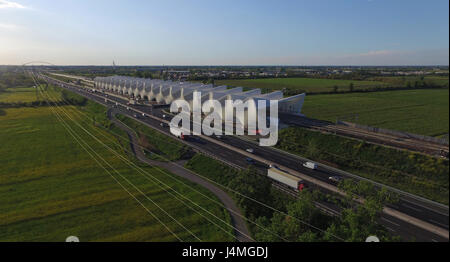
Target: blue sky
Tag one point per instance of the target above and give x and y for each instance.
(210, 32)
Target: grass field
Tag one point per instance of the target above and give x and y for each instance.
(411, 80)
(299, 85)
(423, 112)
(51, 189)
(23, 94)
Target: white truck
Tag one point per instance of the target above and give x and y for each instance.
(177, 132)
(310, 165)
(286, 179)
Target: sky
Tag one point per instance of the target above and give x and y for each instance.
(226, 32)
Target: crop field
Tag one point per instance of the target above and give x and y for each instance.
(299, 85)
(411, 80)
(50, 188)
(23, 94)
(416, 111)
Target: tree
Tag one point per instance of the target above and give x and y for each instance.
(312, 149)
(252, 185)
(299, 223)
(358, 221)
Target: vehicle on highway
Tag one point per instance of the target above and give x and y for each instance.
(177, 132)
(162, 125)
(250, 150)
(135, 116)
(336, 179)
(128, 108)
(273, 166)
(286, 179)
(310, 165)
(144, 115)
(250, 160)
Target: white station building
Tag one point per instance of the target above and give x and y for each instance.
(165, 92)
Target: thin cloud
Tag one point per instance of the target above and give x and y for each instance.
(12, 5)
(377, 53)
(9, 27)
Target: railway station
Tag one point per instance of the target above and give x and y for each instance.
(165, 92)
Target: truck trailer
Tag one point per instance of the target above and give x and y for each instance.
(177, 132)
(286, 179)
(310, 165)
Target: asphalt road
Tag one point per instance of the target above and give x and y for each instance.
(409, 206)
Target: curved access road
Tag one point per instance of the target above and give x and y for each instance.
(240, 228)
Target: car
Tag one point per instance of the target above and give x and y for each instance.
(144, 115)
(336, 179)
(219, 137)
(162, 125)
(164, 116)
(250, 150)
(135, 116)
(273, 166)
(250, 160)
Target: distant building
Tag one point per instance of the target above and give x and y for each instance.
(165, 92)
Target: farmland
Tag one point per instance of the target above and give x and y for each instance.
(23, 95)
(416, 111)
(50, 188)
(300, 85)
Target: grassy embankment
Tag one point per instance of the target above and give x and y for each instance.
(412, 172)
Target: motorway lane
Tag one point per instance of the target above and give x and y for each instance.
(404, 205)
(411, 230)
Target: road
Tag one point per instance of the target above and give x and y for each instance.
(240, 229)
(434, 215)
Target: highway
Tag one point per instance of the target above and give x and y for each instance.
(434, 215)
(240, 228)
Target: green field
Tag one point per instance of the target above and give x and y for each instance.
(299, 85)
(411, 80)
(51, 189)
(423, 112)
(23, 95)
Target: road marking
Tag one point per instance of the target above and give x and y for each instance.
(389, 221)
(445, 214)
(410, 207)
(433, 221)
(390, 229)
